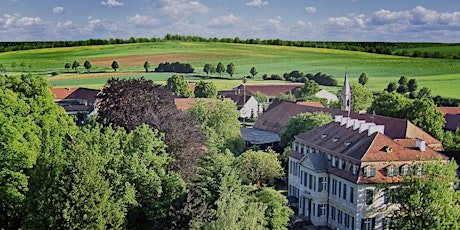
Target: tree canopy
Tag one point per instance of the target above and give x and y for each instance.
(363, 79)
(258, 167)
(428, 201)
(178, 84)
(253, 71)
(231, 69)
(220, 68)
(132, 102)
(205, 90)
(219, 122)
(302, 123)
(87, 65)
(146, 66)
(115, 66)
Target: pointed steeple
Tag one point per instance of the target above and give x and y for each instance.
(346, 95)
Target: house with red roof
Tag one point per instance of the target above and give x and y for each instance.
(76, 100)
(336, 172)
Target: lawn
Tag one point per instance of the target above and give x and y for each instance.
(440, 75)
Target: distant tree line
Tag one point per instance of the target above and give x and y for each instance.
(389, 48)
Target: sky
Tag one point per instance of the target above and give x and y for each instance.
(305, 20)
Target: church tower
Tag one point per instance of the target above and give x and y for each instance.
(346, 95)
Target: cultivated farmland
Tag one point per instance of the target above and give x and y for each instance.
(442, 76)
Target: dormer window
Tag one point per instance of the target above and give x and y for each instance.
(355, 169)
(335, 139)
(334, 161)
(348, 166)
(387, 149)
(405, 170)
(347, 143)
(369, 171)
(324, 135)
(392, 170)
(341, 164)
(329, 157)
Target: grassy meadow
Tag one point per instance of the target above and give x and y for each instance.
(442, 76)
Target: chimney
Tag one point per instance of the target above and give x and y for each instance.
(344, 120)
(421, 145)
(357, 124)
(350, 123)
(364, 126)
(375, 128)
(338, 118)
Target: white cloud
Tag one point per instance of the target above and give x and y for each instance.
(257, 3)
(310, 10)
(228, 20)
(176, 8)
(17, 21)
(111, 3)
(142, 20)
(58, 9)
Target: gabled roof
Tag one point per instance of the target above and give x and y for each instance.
(271, 90)
(452, 116)
(238, 99)
(315, 161)
(275, 118)
(312, 103)
(186, 103)
(75, 94)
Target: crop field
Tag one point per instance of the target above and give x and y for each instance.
(442, 76)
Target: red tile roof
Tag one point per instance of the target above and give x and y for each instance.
(452, 116)
(312, 103)
(186, 103)
(449, 110)
(277, 115)
(363, 149)
(75, 94)
(271, 90)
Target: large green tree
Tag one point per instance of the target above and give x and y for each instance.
(131, 102)
(257, 167)
(308, 91)
(178, 84)
(205, 90)
(75, 65)
(278, 212)
(146, 66)
(253, 71)
(390, 104)
(361, 97)
(219, 122)
(428, 201)
(302, 123)
(30, 125)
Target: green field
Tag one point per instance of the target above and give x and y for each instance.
(442, 76)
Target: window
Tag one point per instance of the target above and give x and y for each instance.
(405, 170)
(355, 169)
(352, 194)
(418, 170)
(340, 189)
(322, 182)
(304, 182)
(348, 166)
(333, 213)
(347, 220)
(369, 196)
(322, 210)
(341, 164)
(310, 181)
(368, 223)
(334, 161)
(392, 170)
(339, 216)
(344, 191)
(369, 171)
(335, 139)
(334, 187)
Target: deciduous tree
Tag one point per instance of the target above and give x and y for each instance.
(231, 69)
(75, 65)
(258, 167)
(428, 201)
(178, 84)
(205, 90)
(220, 68)
(115, 66)
(87, 65)
(392, 86)
(361, 98)
(253, 72)
(146, 66)
(219, 122)
(302, 123)
(363, 79)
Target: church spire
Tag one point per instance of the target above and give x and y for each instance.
(346, 95)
